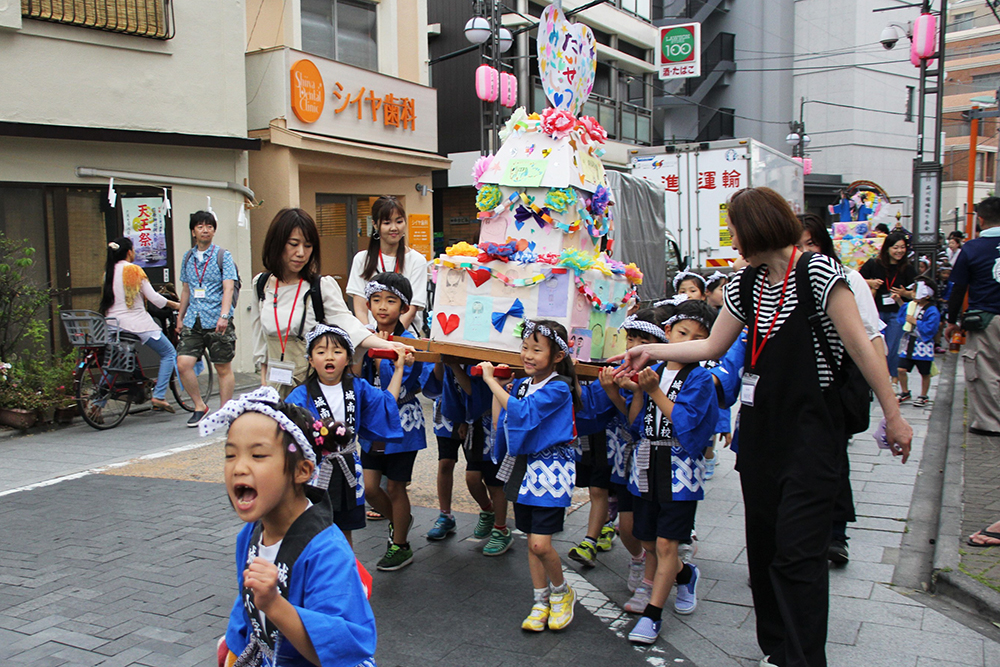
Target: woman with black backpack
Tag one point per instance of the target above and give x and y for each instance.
(292, 297)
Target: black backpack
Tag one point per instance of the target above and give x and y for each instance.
(849, 382)
(220, 256)
(314, 291)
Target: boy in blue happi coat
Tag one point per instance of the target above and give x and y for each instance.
(389, 296)
(920, 320)
(676, 419)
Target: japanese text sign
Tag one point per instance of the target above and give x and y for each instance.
(679, 52)
(145, 226)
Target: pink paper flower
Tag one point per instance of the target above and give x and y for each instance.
(482, 164)
(557, 122)
(593, 129)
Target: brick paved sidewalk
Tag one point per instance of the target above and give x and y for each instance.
(981, 501)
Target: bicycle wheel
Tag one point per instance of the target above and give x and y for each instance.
(206, 382)
(102, 397)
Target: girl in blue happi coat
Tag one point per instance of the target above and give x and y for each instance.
(534, 436)
(332, 394)
(676, 419)
(301, 600)
(389, 296)
(920, 320)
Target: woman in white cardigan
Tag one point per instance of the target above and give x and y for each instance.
(126, 291)
(286, 314)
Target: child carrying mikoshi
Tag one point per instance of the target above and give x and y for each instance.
(332, 393)
(463, 420)
(389, 296)
(677, 418)
(534, 435)
(920, 320)
(302, 601)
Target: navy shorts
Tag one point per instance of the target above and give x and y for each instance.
(487, 468)
(923, 365)
(597, 476)
(350, 519)
(533, 520)
(624, 496)
(397, 467)
(672, 520)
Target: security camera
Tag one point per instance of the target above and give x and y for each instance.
(889, 37)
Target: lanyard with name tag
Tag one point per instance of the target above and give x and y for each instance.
(748, 388)
(280, 372)
(199, 292)
(887, 300)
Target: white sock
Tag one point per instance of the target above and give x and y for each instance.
(559, 590)
(542, 595)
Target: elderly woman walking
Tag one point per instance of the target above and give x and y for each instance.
(791, 451)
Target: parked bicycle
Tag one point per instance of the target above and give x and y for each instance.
(111, 375)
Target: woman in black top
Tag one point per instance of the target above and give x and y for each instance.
(890, 275)
(791, 447)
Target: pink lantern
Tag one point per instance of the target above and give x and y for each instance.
(924, 36)
(487, 83)
(508, 90)
(807, 164)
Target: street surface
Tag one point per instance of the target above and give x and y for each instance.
(132, 564)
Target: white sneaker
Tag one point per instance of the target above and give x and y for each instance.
(635, 573)
(765, 663)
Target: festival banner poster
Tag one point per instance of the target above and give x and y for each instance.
(146, 227)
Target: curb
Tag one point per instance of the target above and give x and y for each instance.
(946, 578)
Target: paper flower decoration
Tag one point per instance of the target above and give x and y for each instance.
(599, 202)
(482, 164)
(488, 198)
(592, 129)
(557, 122)
(517, 121)
(559, 199)
(462, 249)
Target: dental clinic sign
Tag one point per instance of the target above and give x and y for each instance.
(679, 53)
(338, 100)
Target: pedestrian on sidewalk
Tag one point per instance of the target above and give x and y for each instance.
(977, 270)
(791, 451)
(534, 435)
(677, 418)
(123, 298)
(889, 276)
(205, 318)
(332, 393)
(920, 321)
(816, 238)
(302, 601)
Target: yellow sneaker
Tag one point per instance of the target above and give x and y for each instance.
(537, 618)
(562, 609)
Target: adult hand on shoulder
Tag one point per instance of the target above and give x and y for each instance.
(899, 434)
(262, 578)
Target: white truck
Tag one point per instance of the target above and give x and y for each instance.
(698, 179)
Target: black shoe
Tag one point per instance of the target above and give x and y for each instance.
(982, 431)
(196, 418)
(837, 552)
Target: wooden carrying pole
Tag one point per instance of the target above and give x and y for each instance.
(432, 351)
(970, 211)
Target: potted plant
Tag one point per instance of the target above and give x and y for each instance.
(18, 400)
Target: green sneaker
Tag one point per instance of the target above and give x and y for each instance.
(485, 525)
(396, 557)
(606, 538)
(500, 541)
(585, 554)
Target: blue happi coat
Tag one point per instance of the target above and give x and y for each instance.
(324, 587)
(919, 343)
(692, 424)
(730, 374)
(618, 432)
(540, 428)
(411, 415)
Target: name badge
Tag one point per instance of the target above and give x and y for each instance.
(749, 388)
(199, 292)
(887, 300)
(280, 372)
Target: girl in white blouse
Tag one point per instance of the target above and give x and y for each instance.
(387, 252)
(291, 258)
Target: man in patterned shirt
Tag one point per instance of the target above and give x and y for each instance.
(205, 319)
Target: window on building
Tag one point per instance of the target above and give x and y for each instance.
(985, 82)
(962, 21)
(143, 18)
(342, 30)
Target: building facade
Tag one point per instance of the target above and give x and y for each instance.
(973, 78)
(155, 101)
(337, 94)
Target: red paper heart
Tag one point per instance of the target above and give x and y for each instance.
(479, 276)
(448, 323)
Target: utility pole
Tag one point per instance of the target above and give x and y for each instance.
(973, 116)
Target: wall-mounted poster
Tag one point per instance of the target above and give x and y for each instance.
(146, 227)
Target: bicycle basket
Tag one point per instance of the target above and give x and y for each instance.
(119, 357)
(85, 328)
